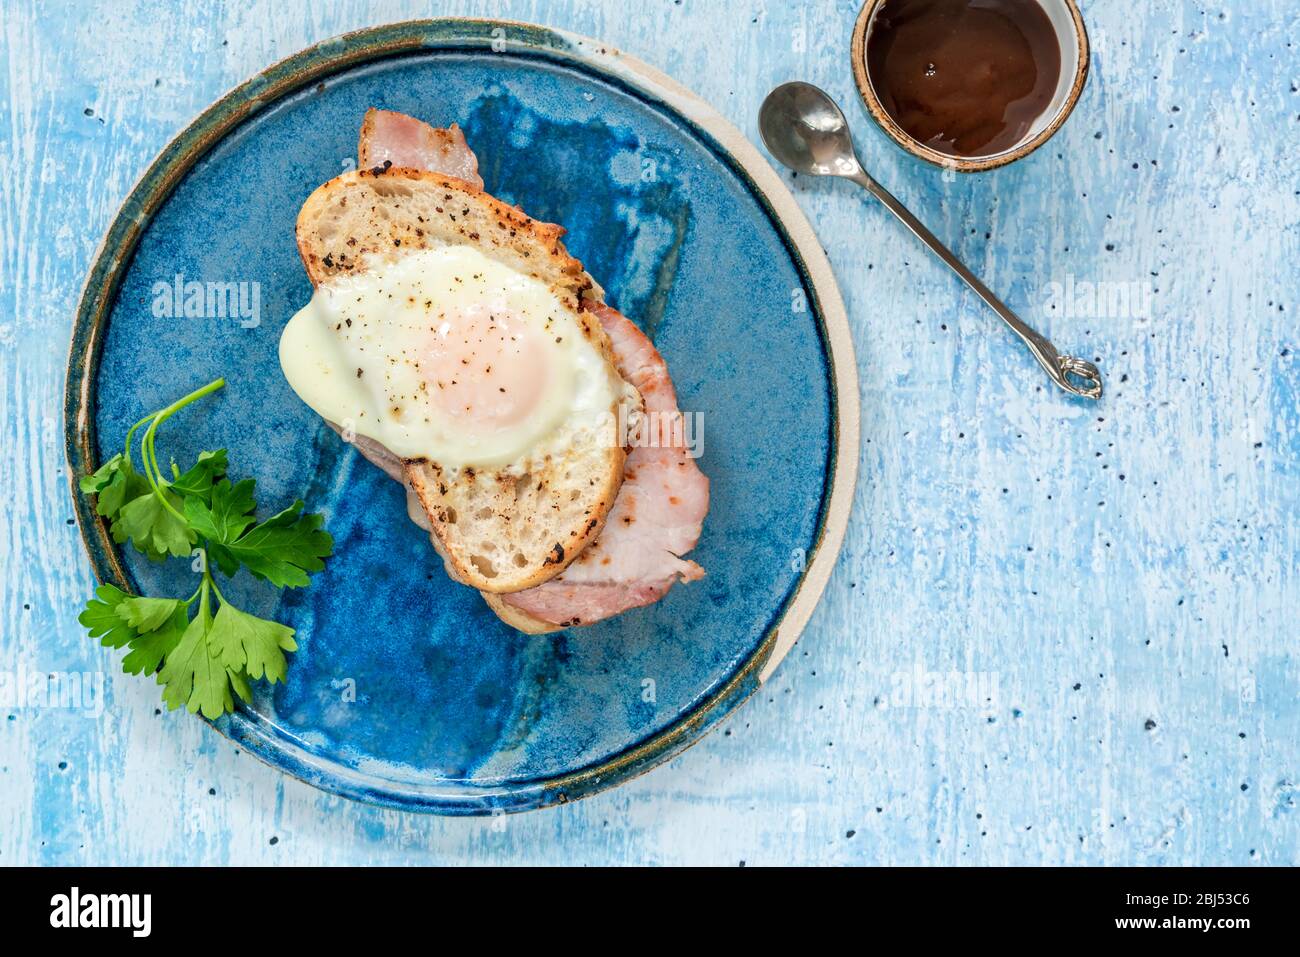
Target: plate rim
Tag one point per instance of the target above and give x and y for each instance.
(337, 54)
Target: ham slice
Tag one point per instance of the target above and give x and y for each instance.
(657, 516)
(660, 508)
(401, 140)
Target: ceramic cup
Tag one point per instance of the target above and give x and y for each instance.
(1072, 37)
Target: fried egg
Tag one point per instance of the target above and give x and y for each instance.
(447, 355)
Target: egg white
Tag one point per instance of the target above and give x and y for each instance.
(359, 355)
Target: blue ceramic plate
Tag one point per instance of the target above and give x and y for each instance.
(406, 690)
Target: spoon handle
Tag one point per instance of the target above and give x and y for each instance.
(1064, 370)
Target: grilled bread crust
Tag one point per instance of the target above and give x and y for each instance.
(498, 531)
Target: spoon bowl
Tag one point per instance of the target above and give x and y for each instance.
(805, 130)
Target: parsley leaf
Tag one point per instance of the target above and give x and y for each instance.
(148, 650)
(226, 513)
(102, 476)
(216, 655)
(284, 548)
(116, 483)
(147, 614)
(250, 644)
(281, 550)
(101, 619)
(192, 677)
(154, 528)
(120, 620)
(197, 482)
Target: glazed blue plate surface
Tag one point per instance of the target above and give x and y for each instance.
(406, 690)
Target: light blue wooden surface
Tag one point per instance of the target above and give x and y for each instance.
(1114, 584)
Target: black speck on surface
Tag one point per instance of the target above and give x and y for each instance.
(1150, 725)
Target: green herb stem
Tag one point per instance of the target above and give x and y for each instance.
(212, 581)
(126, 453)
(163, 415)
(148, 451)
(205, 598)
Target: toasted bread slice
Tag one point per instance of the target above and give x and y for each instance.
(499, 531)
(517, 618)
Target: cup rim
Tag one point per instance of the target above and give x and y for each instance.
(962, 164)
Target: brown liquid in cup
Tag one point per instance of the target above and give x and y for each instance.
(964, 77)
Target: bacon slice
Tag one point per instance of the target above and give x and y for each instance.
(657, 516)
(388, 137)
(661, 505)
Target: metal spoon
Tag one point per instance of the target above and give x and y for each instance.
(804, 129)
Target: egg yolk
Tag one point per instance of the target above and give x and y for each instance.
(484, 367)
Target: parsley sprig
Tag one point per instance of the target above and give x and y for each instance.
(204, 656)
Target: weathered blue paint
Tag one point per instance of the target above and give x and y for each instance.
(1127, 603)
